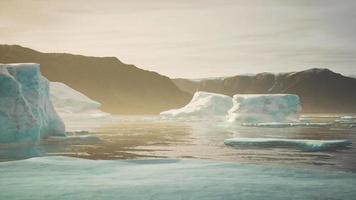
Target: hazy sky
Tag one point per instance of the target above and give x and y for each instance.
(191, 38)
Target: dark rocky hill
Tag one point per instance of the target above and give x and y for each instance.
(320, 90)
(121, 88)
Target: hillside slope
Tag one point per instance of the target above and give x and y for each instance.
(121, 88)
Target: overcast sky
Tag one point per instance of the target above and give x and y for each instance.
(191, 38)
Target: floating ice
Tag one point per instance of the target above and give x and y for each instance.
(67, 178)
(76, 109)
(66, 99)
(74, 139)
(204, 105)
(286, 125)
(307, 145)
(258, 108)
(348, 117)
(26, 111)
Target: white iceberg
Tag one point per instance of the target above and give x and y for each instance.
(307, 145)
(78, 111)
(202, 105)
(259, 108)
(26, 111)
(66, 99)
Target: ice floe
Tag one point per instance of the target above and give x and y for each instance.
(307, 145)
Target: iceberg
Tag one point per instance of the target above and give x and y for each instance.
(26, 111)
(66, 99)
(76, 109)
(70, 103)
(203, 104)
(258, 108)
(306, 145)
(67, 178)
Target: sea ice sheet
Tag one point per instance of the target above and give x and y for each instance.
(26, 111)
(68, 178)
(259, 108)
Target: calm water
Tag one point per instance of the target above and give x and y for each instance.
(143, 137)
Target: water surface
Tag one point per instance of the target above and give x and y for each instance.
(149, 137)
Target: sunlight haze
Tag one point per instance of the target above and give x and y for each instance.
(191, 39)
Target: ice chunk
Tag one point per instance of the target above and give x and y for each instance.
(161, 179)
(286, 125)
(258, 108)
(348, 117)
(203, 104)
(66, 99)
(307, 145)
(26, 111)
(74, 139)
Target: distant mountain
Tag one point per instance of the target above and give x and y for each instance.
(121, 88)
(320, 90)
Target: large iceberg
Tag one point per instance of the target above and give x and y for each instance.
(258, 108)
(26, 111)
(203, 104)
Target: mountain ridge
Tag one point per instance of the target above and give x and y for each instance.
(121, 88)
(320, 89)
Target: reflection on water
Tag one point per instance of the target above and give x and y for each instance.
(140, 137)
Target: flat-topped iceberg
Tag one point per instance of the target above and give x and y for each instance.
(26, 111)
(307, 145)
(257, 108)
(202, 105)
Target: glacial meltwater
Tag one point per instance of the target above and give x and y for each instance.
(147, 157)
